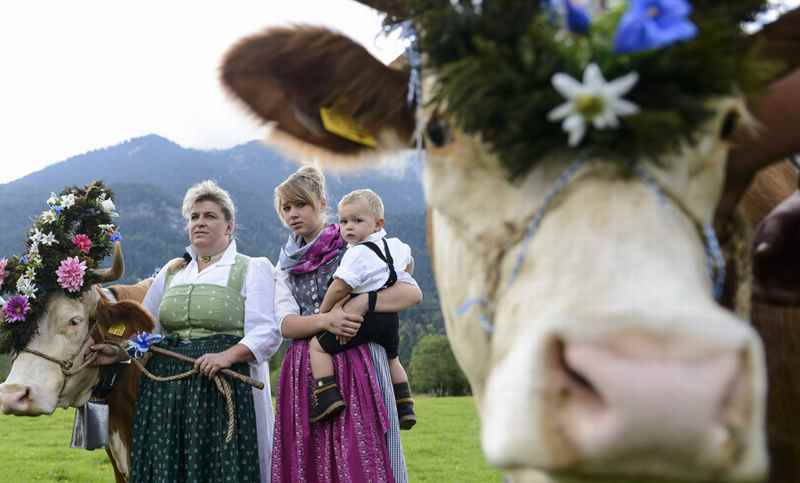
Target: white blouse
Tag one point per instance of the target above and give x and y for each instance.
(261, 330)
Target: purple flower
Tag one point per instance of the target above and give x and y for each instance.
(70, 274)
(16, 308)
(578, 20)
(652, 24)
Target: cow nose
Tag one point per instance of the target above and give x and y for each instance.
(642, 396)
(14, 399)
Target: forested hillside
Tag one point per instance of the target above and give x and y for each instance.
(149, 176)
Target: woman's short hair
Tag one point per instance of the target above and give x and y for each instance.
(209, 191)
(370, 198)
(306, 185)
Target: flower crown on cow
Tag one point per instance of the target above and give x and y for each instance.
(627, 78)
(67, 240)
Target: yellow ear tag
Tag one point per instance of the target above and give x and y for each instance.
(118, 330)
(345, 127)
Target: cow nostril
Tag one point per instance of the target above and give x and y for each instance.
(574, 385)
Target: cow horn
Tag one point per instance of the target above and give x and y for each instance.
(117, 266)
(395, 8)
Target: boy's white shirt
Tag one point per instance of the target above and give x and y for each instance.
(364, 271)
(286, 305)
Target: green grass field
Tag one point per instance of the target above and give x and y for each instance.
(442, 447)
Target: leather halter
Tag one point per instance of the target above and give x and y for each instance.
(71, 365)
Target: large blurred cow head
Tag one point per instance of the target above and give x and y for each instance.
(50, 371)
(576, 289)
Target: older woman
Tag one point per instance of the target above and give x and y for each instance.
(215, 305)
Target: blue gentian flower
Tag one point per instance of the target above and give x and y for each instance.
(578, 19)
(653, 24)
(58, 209)
(115, 237)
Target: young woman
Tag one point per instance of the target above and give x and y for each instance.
(361, 444)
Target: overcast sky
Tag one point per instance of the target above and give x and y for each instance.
(85, 74)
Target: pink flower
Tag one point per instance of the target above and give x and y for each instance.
(70, 274)
(16, 308)
(3, 263)
(83, 243)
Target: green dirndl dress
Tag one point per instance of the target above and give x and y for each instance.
(180, 426)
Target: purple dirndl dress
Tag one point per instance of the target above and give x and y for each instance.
(350, 447)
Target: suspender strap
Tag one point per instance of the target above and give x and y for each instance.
(388, 259)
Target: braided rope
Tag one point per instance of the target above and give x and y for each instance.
(222, 386)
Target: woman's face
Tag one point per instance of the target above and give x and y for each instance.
(209, 231)
(302, 219)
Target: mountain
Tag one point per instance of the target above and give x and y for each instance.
(149, 176)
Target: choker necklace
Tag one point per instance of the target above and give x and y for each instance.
(210, 258)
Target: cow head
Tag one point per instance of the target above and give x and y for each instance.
(38, 385)
(577, 295)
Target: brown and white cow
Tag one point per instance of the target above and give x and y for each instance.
(610, 360)
(37, 386)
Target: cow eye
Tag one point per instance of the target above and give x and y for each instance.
(728, 124)
(75, 321)
(438, 131)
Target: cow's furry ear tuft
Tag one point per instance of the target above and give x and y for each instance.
(324, 95)
(124, 319)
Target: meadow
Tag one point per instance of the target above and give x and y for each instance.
(442, 447)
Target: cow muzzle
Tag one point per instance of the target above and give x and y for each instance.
(16, 400)
(629, 405)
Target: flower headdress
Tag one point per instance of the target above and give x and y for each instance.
(625, 78)
(66, 242)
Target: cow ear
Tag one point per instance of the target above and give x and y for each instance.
(123, 319)
(325, 95)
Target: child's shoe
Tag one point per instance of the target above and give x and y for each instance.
(327, 399)
(405, 405)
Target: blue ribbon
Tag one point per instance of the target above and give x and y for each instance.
(141, 342)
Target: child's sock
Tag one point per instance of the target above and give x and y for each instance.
(327, 399)
(405, 405)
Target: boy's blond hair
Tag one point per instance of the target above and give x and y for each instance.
(369, 197)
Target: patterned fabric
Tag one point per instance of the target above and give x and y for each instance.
(299, 258)
(387, 390)
(348, 448)
(199, 310)
(180, 426)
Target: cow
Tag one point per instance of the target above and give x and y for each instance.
(37, 385)
(604, 356)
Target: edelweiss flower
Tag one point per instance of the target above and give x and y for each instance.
(67, 201)
(47, 217)
(53, 200)
(48, 240)
(594, 101)
(26, 287)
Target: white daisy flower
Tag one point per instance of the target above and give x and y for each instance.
(594, 101)
(26, 287)
(47, 217)
(108, 206)
(67, 201)
(48, 239)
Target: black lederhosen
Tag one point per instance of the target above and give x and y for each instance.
(380, 327)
